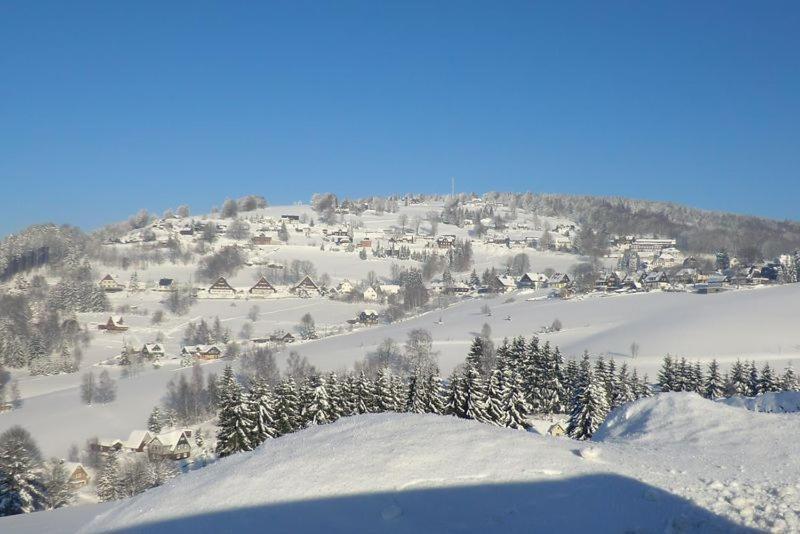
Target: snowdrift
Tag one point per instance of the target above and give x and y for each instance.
(409, 473)
(777, 402)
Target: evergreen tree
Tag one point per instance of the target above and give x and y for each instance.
(456, 397)
(263, 412)
(473, 387)
(624, 389)
(496, 402)
(667, 380)
(57, 488)
(589, 410)
(107, 483)
(399, 393)
(714, 386)
(363, 395)
(753, 380)
(435, 397)
(21, 488)
(317, 410)
(154, 424)
(336, 401)
(384, 400)
(738, 382)
(235, 420)
(287, 408)
(416, 400)
(767, 382)
(789, 380)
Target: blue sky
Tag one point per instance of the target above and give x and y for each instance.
(106, 107)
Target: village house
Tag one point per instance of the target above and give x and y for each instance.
(532, 281)
(558, 281)
(166, 284)
(306, 287)
(221, 288)
(109, 285)
(114, 324)
(370, 294)
(262, 239)
(174, 445)
(607, 282)
(365, 243)
(656, 280)
(106, 445)
(446, 241)
(457, 288)
(202, 352)
(77, 475)
(345, 287)
(282, 337)
(368, 317)
(686, 276)
(138, 440)
(152, 351)
(262, 288)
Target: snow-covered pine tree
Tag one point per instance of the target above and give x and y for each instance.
(698, 381)
(589, 411)
(287, 407)
(154, 423)
(753, 380)
(473, 385)
(57, 489)
(789, 380)
(384, 400)
(435, 397)
(336, 401)
(714, 386)
(399, 393)
(553, 394)
(737, 383)
(21, 488)
(107, 483)
(496, 403)
(643, 387)
(235, 420)
(348, 395)
(364, 396)
(767, 382)
(317, 410)
(623, 388)
(263, 412)
(416, 399)
(667, 380)
(456, 397)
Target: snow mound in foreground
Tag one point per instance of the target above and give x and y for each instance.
(689, 419)
(409, 473)
(777, 402)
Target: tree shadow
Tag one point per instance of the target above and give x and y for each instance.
(592, 503)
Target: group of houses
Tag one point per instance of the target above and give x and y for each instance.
(170, 445)
(262, 288)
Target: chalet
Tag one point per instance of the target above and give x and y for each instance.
(558, 281)
(173, 445)
(166, 284)
(557, 429)
(110, 285)
(368, 317)
(106, 445)
(152, 351)
(632, 281)
(656, 280)
(77, 474)
(345, 288)
(186, 230)
(282, 337)
(370, 294)
(222, 288)
(138, 440)
(262, 288)
(114, 324)
(306, 287)
(446, 241)
(686, 275)
(607, 282)
(202, 352)
(507, 282)
(262, 240)
(457, 288)
(532, 281)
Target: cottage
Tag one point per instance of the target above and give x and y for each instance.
(368, 317)
(109, 285)
(114, 324)
(370, 294)
(365, 243)
(558, 281)
(202, 352)
(152, 351)
(687, 276)
(77, 474)
(282, 337)
(166, 284)
(106, 445)
(262, 288)
(558, 429)
(221, 288)
(608, 282)
(306, 287)
(186, 230)
(457, 288)
(506, 282)
(656, 280)
(532, 281)
(138, 440)
(446, 241)
(345, 287)
(262, 239)
(173, 445)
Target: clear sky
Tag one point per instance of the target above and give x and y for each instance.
(107, 106)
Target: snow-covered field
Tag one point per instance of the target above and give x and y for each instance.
(672, 463)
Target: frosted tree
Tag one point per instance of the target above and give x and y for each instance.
(154, 424)
(235, 420)
(789, 380)
(87, 388)
(263, 412)
(287, 408)
(435, 398)
(107, 483)
(106, 390)
(336, 400)
(496, 403)
(589, 411)
(21, 488)
(456, 397)
(737, 383)
(317, 411)
(363, 395)
(767, 382)
(58, 491)
(473, 384)
(399, 393)
(623, 391)
(416, 400)
(162, 469)
(753, 380)
(134, 477)
(384, 400)
(714, 385)
(667, 379)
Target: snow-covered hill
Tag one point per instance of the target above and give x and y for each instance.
(672, 463)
